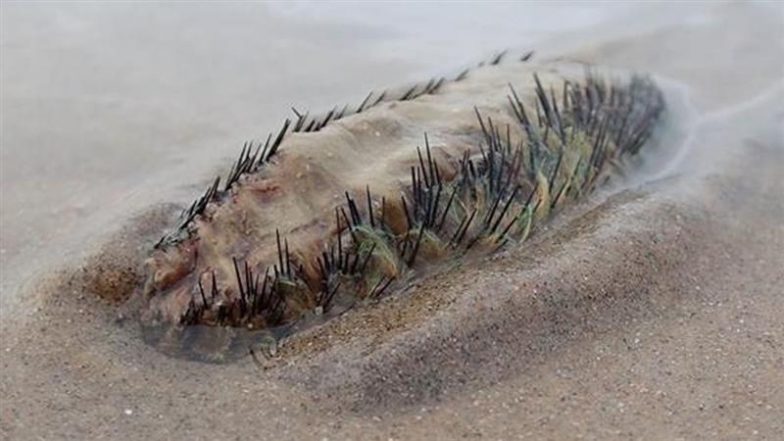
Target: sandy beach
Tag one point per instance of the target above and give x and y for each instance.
(653, 310)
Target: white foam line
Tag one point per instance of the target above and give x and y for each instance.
(698, 122)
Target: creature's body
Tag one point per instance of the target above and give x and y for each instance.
(339, 209)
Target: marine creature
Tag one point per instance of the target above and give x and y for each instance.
(343, 208)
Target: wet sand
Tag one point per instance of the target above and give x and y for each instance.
(649, 312)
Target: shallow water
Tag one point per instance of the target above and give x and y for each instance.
(108, 109)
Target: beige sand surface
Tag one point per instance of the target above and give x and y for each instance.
(651, 312)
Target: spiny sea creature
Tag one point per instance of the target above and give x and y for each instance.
(296, 229)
